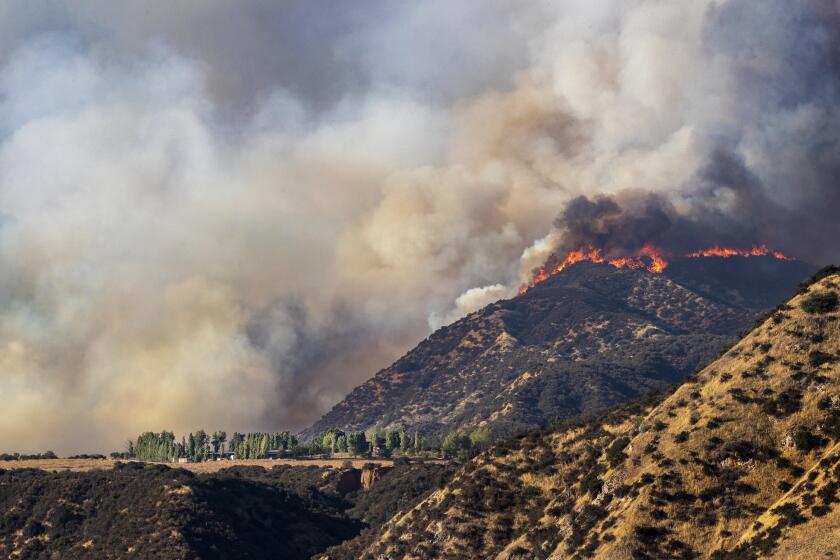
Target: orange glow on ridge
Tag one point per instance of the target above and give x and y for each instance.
(649, 257)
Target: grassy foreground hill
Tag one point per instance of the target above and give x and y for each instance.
(741, 461)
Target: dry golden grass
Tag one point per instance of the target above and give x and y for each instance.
(81, 465)
(60, 465)
(745, 368)
(215, 466)
(698, 471)
(820, 535)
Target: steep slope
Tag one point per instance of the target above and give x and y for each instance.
(741, 461)
(583, 340)
(756, 283)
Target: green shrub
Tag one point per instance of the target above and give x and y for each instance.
(789, 514)
(817, 358)
(33, 529)
(820, 302)
(819, 511)
(824, 272)
(784, 404)
(615, 452)
(591, 484)
(804, 440)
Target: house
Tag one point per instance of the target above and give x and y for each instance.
(225, 456)
(277, 453)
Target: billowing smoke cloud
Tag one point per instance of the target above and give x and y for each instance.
(741, 110)
(220, 214)
(621, 228)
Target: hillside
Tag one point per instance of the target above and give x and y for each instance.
(741, 461)
(157, 512)
(142, 510)
(583, 340)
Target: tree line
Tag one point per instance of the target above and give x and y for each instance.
(25, 457)
(201, 445)
(385, 443)
(373, 441)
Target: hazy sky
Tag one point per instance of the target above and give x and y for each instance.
(225, 215)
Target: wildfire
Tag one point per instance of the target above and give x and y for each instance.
(649, 257)
(726, 252)
(653, 261)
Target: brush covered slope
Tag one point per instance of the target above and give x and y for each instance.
(741, 461)
(581, 341)
(152, 511)
(142, 510)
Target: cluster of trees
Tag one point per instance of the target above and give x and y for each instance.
(462, 445)
(256, 445)
(152, 446)
(200, 446)
(24, 457)
(385, 443)
(374, 440)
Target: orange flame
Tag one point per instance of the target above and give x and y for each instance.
(726, 252)
(657, 259)
(654, 259)
(592, 254)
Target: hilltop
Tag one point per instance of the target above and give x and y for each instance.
(583, 340)
(741, 461)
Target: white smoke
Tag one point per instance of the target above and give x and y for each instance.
(226, 216)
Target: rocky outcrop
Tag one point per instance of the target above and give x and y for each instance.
(371, 476)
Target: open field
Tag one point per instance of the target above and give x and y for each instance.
(79, 465)
(213, 466)
(59, 465)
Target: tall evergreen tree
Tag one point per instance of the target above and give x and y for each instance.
(200, 445)
(391, 440)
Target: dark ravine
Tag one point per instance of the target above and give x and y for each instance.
(586, 339)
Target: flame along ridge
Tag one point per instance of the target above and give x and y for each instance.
(726, 252)
(649, 257)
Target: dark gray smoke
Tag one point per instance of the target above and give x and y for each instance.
(618, 225)
(623, 223)
(751, 116)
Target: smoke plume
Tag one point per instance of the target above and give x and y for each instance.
(226, 215)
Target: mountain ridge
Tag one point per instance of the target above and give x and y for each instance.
(583, 340)
(741, 461)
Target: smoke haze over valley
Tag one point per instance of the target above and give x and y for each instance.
(229, 214)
